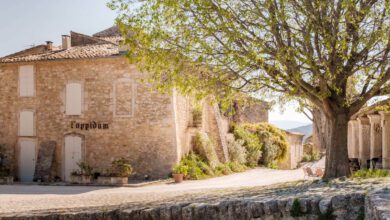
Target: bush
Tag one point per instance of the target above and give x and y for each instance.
(371, 173)
(237, 167)
(271, 141)
(310, 153)
(85, 168)
(121, 168)
(180, 169)
(204, 147)
(223, 169)
(237, 152)
(251, 143)
(197, 168)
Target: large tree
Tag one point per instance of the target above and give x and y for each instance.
(308, 49)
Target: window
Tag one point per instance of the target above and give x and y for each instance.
(124, 97)
(26, 81)
(73, 99)
(26, 123)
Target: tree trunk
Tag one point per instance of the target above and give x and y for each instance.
(337, 164)
(321, 130)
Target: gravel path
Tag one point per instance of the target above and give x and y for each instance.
(38, 198)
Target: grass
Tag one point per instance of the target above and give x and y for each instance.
(378, 173)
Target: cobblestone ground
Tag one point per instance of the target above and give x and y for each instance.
(272, 184)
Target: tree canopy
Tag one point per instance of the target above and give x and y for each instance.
(313, 50)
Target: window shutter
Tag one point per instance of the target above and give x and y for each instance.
(26, 81)
(73, 99)
(26, 123)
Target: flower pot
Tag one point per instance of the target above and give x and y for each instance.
(119, 180)
(178, 177)
(81, 179)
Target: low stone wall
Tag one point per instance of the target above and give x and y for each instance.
(350, 206)
(377, 205)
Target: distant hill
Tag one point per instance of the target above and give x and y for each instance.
(286, 125)
(307, 130)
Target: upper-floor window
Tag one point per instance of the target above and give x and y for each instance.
(26, 123)
(74, 101)
(26, 81)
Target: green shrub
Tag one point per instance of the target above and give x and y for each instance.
(237, 152)
(180, 169)
(197, 168)
(204, 147)
(310, 153)
(378, 173)
(252, 144)
(121, 168)
(274, 143)
(271, 141)
(237, 167)
(85, 168)
(223, 169)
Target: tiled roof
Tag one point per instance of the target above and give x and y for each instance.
(100, 45)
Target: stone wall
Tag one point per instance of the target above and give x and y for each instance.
(348, 207)
(377, 205)
(146, 136)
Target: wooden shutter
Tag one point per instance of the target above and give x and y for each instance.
(73, 99)
(26, 81)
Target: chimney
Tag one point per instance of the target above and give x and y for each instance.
(123, 48)
(49, 45)
(66, 44)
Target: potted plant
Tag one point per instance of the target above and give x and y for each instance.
(118, 174)
(178, 172)
(197, 116)
(83, 175)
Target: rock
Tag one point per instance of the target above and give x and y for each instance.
(165, 213)
(324, 205)
(200, 211)
(256, 209)
(339, 202)
(270, 207)
(187, 212)
(176, 212)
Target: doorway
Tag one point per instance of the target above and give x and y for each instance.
(72, 154)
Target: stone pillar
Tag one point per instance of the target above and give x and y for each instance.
(375, 137)
(385, 140)
(364, 141)
(353, 139)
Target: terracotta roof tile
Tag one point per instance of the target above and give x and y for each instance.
(85, 47)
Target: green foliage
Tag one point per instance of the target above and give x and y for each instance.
(197, 115)
(85, 168)
(270, 141)
(252, 144)
(296, 209)
(180, 169)
(197, 167)
(237, 167)
(223, 169)
(310, 153)
(205, 148)
(378, 173)
(237, 152)
(121, 168)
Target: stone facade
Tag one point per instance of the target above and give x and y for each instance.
(115, 115)
(147, 136)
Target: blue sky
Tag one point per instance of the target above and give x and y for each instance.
(31, 22)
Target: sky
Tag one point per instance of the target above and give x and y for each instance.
(25, 23)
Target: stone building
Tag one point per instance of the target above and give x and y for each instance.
(83, 101)
(369, 139)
